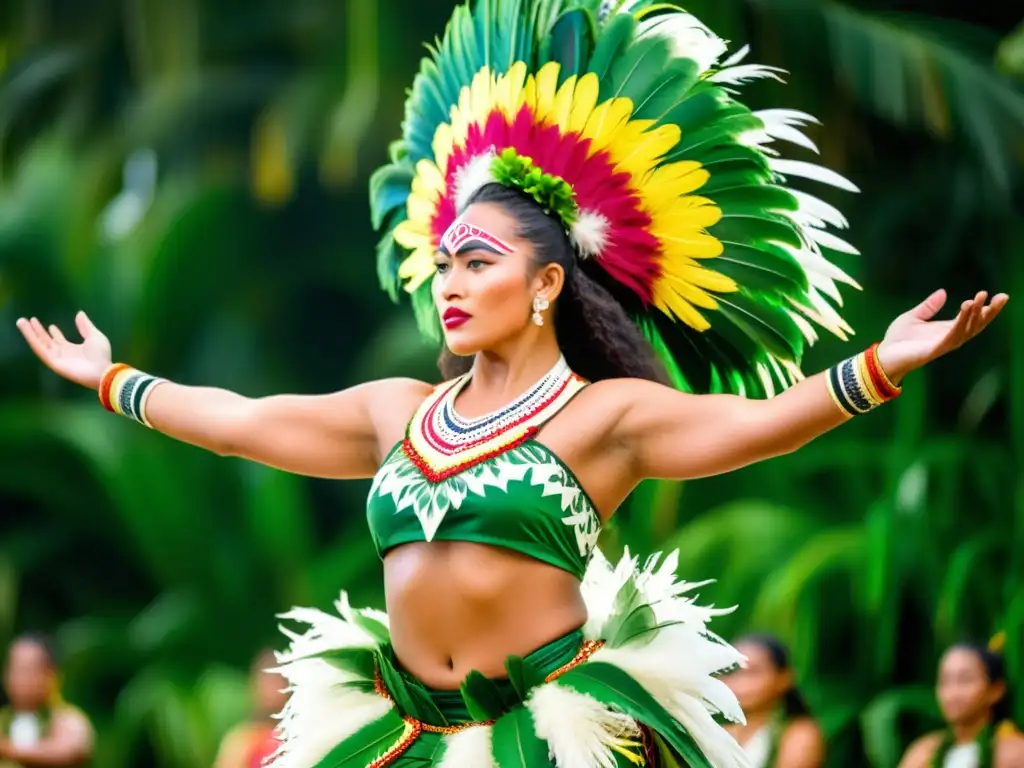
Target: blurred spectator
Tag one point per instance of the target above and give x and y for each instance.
(248, 745)
(975, 702)
(779, 732)
(39, 728)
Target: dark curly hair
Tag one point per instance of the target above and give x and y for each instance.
(594, 332)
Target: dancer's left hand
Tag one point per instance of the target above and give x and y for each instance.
(915, 339)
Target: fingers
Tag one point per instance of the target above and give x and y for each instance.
(930, 307)
(84, 324)
(38, 340)
(975, 315)
(56, 335)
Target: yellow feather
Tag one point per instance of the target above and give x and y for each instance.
(673, 305)
(707, 279)
(444, 143)
(428, 182)
(687, 212)
(563, 104)
(587, 91)
(421, 210)
(481, 102)
(687, 242)
(669, 284)
(529, 98)
(640, 155)
(605, 122)
(514, 97)
(412, 234)
(417, 268)
(669, 182)
(547, 88)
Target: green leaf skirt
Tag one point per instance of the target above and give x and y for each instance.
(637, 685)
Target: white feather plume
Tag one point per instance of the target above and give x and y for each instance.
(580, 730)
(589, 233)
(470, 177)
(469, 747)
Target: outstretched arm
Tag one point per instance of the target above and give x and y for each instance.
(334, 435)
(673, 435)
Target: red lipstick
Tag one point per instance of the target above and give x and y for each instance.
(453, 318)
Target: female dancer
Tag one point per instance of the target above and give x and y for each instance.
(252, 743)
(974, 700)
(541, 210)
(779, 731)
(39, 728)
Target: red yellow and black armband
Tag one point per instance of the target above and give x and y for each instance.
(124, 390)
(859, 385)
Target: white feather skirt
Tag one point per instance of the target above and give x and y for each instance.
(677, 664)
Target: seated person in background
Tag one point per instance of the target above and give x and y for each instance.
(38, 728)
(779, 732)
(975, 703)
(248, 745)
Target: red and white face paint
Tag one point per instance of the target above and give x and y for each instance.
(465, 237)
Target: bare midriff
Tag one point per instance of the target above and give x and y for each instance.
(455, 607)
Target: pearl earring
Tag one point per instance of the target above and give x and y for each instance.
(539, 305)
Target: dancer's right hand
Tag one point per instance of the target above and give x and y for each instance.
(83, 363)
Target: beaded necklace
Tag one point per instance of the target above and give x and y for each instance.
(442, 443)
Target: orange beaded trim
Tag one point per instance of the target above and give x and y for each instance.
(414, 727)
(409, 735)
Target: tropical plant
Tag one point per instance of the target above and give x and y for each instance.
(194, 174)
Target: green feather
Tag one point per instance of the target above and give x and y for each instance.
(770, 268)
(667, 757)
(752, 231)
(614, 39)
(669, 91)
(613, 686)
(759, 197)
(514, 741)
(738, 156)
(637, 72)
(769, 325)
(570, 43)
(483, 697)
(389, 189)
(732, 175)
(725, 131)
(389, 255)
(523, 675)
(367, 744)
(425, 310)
(410, 697)
(703, 107)
(356, 661)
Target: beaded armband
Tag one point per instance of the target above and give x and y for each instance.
(124, 390)
(859, 385)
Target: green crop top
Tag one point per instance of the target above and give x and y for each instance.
(503, 488)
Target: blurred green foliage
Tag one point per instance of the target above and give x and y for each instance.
(193, 173)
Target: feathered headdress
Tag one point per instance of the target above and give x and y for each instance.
(679, 203)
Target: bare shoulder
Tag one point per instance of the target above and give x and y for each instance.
(921, 751)
(803, 733)
(391, 403)
(624, 392)
(1010, 751)
(802, 744)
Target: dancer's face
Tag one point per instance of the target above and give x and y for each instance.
(964, 692)
(29, 677)
(760, 684)
(486, 281)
